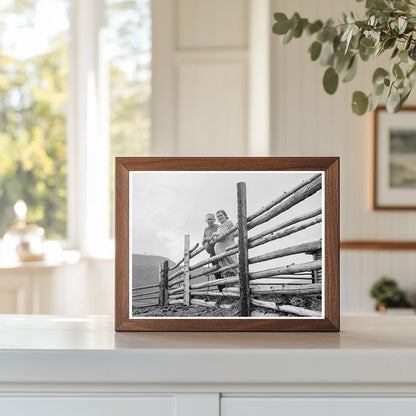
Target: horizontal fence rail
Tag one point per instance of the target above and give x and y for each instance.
(211, 282)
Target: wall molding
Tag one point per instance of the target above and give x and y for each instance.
(377, 245)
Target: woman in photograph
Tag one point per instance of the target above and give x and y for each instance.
(222, 243)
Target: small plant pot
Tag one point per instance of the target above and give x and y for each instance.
(380, 307)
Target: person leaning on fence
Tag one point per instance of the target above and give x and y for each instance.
(208, 231)
(206, 240)
(222, 243)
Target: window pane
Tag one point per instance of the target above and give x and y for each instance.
(33, 99)
(129, 45)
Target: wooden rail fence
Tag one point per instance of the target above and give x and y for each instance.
(178, 284)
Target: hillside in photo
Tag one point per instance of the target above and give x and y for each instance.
(145, 269)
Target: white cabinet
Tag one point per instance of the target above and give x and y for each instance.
(323, 406)
(80, 366)
(88, 406)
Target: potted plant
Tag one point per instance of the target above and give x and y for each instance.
(387, 294)
(389, 27)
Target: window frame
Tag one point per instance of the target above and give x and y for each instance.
(87, 133)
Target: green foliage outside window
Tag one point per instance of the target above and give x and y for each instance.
(34, 103)
(33, 97)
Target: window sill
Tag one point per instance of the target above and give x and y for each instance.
(50, 261)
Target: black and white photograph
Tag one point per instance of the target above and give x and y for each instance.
(394, 159)
(226, 244)
(403, 158)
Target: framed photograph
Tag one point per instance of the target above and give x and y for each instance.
(227, 244)
(394, 176)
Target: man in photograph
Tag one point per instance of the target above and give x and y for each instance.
(208, 231)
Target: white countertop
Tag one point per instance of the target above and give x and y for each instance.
(50, 349)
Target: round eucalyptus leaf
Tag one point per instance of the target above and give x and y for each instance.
(288, 37)
(378, 89)
(367, 42)
(355, 41)
(327, 53)
(389, 43)
(408, 42)
(294, 20)
(411, 76)
(412, 70)
(322, 36)
(374, 102)
(336, 42)
(379, 75)
(393, 101)
(403, 56)
(376, 4)
(359, 103)
(298, 30)
(330, 80)
(332, 33)
(397, 71)
(315, 50)
(412, 52)
(341, 61)
(365, 53)
(314, 27)
(382, 19)
(400, 5)
(351, 71)
(402, 24)
(403, 96)
(281, 26)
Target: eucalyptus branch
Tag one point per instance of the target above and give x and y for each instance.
(389, 25)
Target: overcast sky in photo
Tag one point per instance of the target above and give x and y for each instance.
(167, 205)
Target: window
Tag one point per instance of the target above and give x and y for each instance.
(33, 97)
(75, 87)
(129, 46)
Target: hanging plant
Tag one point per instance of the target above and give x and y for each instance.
(388, 27)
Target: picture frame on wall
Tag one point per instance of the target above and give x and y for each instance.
(227, 244)
(394, 159)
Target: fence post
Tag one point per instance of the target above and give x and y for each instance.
(186, 294)
(165, 282)
(317, 255)
(161, 286)
(243, 250)
(316, 275)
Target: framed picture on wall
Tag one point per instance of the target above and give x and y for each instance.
(227, 244)
(394, 159)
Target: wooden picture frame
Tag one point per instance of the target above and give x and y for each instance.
(394, 159)
(140, 205)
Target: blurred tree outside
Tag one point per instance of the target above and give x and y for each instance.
(33, 99)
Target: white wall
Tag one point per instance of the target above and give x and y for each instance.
(308, 122)
(210, 66)
(200, 77)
